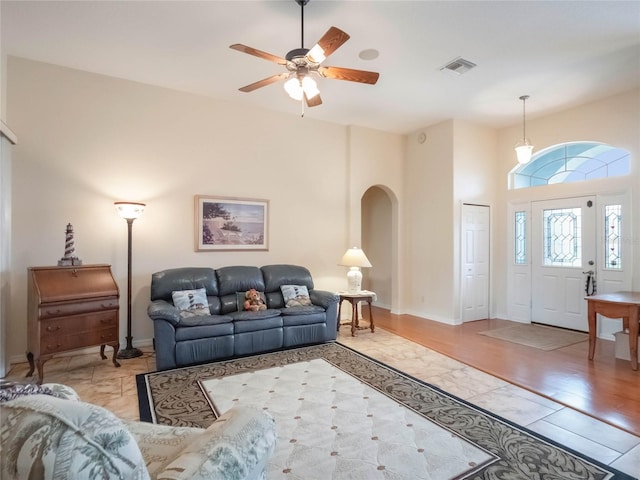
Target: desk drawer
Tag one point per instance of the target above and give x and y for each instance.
(91, 322)
(77, 308)
(63, 343)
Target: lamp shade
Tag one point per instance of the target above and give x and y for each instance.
(130, 210)
(355, 257)
(523, 151)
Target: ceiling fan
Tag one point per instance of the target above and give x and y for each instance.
(301, 63)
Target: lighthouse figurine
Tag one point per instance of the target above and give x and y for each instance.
(69, 250)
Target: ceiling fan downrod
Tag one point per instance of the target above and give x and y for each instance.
(302, 3)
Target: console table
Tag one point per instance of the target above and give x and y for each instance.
(354, 299)
(68, 308)
(625, 305)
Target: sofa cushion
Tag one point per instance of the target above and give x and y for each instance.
(47, 437)
(164, 283)
(161, 444)
(301, 310)
(237, 445)
(206, 329)
(239, 279)
(253, 321)
(307, 316)
(276, 275)
(295, 295)
(191, 302)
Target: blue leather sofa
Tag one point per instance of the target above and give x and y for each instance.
(228, 331)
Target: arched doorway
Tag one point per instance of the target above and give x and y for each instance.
(378, 233)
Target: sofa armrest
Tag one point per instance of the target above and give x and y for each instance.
(323, 298)
(236, 446)
(62, 391)
(163, 310)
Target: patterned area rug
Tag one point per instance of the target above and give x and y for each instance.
(410, 418)
(537, 336)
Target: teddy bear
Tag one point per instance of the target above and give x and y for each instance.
(254, 301)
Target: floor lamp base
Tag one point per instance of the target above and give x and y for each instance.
(130, 353)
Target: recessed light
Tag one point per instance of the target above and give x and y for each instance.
(369, 54)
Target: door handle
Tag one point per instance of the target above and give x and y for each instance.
(590, 283)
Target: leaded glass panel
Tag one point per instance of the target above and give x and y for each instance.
(612, 236)
(521, 238)
(562, 229)
(571, 162)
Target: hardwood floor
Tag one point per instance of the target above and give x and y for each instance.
(605, 388)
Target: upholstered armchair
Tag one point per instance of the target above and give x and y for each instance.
(56, 435)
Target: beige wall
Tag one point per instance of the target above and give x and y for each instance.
(89, 140)
(376, 159)
(428, 234)
(475, 181)
(455, 164)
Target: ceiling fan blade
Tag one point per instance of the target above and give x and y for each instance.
(329, 43)
(258, 53)
(349, 74)
(313, 101)
(263, 83)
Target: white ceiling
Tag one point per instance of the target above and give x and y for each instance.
(561, 53)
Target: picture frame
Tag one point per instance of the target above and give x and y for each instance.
(230, 223)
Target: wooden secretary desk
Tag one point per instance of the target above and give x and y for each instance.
(68, 308)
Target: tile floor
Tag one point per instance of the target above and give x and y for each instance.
(97, 381)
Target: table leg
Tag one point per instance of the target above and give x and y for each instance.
(339, 312)
(354, 317)
(634, 320)
(591, 316)
(373, 327)
(116, 347)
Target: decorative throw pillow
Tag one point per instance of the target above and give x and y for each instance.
(295, 295)
(191, 302)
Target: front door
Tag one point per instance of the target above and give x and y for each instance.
(563, 250)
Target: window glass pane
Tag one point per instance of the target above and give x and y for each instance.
(562, 229)
(612, 236)
(572, 162)
(521, 238)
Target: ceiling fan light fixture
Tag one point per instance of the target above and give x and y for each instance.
(310, 87)
(294, 88)
(524, 148)
(316, 54)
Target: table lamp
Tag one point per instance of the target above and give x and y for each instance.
(355, 259)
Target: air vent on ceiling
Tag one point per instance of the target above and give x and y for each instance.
(458, 66)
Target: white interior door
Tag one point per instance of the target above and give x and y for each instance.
(563, 248)
(475, 262)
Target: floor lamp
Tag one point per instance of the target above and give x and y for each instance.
(129, 211)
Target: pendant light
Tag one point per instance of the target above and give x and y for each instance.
(524, 147)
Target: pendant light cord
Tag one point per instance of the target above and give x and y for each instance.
(524, 100)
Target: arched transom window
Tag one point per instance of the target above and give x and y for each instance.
(571, 162)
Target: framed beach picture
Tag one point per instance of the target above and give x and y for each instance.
(227, 223)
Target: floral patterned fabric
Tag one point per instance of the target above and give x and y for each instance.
(46, 437)
(59, 437)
